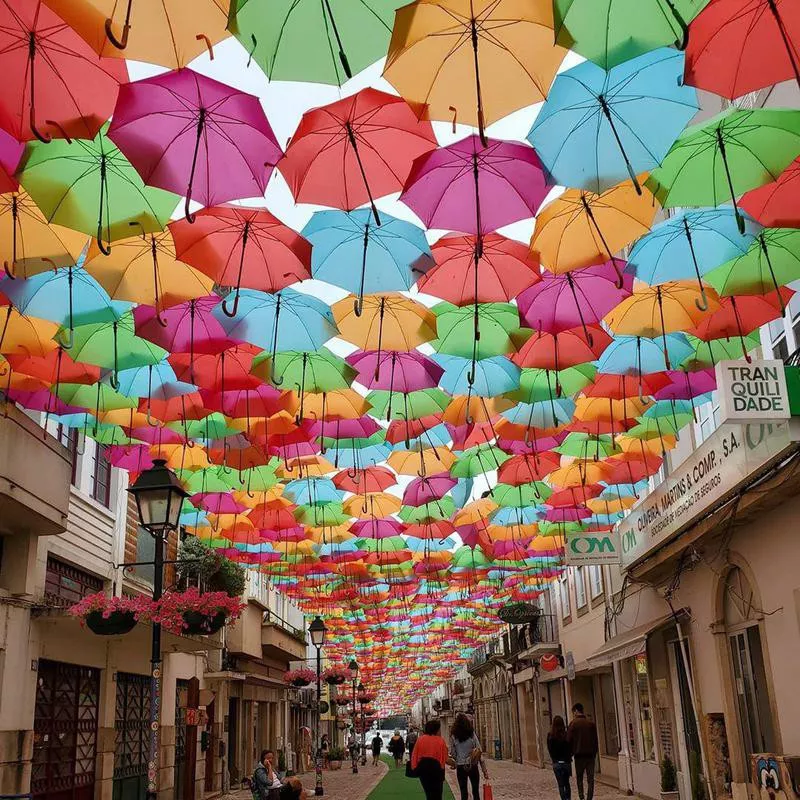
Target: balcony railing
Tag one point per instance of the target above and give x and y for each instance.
(543, 630)
(271, 618)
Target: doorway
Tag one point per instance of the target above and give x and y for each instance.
(688, 735)
(132, 729)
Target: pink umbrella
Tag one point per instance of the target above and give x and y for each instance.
(395, 371)
(131, 457)
(377, 528)
(519, 447)
(42, 400)
(567, 514)
(425, 490)
(686, 385)
(360, 428)
(10, 154)
(217, 503)
(470, 188)
(192, 135)
(578, 298)
(157, 435)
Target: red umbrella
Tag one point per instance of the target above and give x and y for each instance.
(400, 430)
(363, 481)
(259, 401)
(740, 46)
(567, 349)
(10, 155)
(227, 370)
(575, 495)
(619, 386)
(54, 367)
(525, 468)
(631, 469)
(355, 150)
(51, 76)
(174, 409)
(504, 269)
(239, 246)
(776, 205)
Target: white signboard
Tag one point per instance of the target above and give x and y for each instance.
(750, 392)
(584, 547)
(718, 466)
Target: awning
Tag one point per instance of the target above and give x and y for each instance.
(630, 643)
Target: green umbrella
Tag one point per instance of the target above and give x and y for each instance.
(108, 434)
(260, 479)
(214, 426)
(112, 345)
(331, 443)
(319, 41)
(478, 461)
(436, 509)
(772, 260)
(319, 516)
(717, 160)
(89, 186)
(469, 558)
(527, 494)
(390, 544)
(547, 528)
(708, 354)
(538, 385)
(210, 479)
(584, 445)
(658, 427)
(609, 32)
(455, 326)
(100, 397)
(413, 405)
(319, 371)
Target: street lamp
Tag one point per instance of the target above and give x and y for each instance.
(353, 667)
(317, 631)
(159, 497)
(360, 689)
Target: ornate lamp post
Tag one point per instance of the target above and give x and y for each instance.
(159, 497)
(317, 632)
(353, 667)
(360, 689)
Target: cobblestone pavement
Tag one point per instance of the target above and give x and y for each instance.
(512, 781)
(338, 784)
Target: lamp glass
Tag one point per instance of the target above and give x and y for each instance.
(317, 632)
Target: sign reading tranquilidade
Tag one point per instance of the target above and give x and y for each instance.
(752, 392)
(724, 461)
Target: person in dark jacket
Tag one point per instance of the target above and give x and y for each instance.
(397, 747)
(266, 783)
(377, 744)
(429, 758)
(582, 738)
(561, 756)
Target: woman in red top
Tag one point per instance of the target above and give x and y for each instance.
(428, 760)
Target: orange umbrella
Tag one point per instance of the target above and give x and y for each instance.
(469, 410)
(428, 461)
(580, 228)
(375, 504)
(28, 243)
(386, 322)
(473, 61)
(166, 32)
(579, 473)
(27, 336)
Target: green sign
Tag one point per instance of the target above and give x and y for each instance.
(598, 547)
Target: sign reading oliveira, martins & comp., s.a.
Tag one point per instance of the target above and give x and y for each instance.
(591, 547)
(752, 392)
(720, 465)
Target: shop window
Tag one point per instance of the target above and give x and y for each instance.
(780, 349)
(645, 708)
(563, 595)
(101, 477)
(64, 584)
(609, 711)
(595, 581)
(69, 438)
(580, 587)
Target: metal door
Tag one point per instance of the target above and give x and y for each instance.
(131, 724)
(65, 731)
(181, 687)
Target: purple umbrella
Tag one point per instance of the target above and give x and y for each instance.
(567, 514)
(42, 400)
(519, 447)
(428, 489)
(395, 371)
(192, 135)
(687, 385)
(581, 297)
(132, 457)
(377, 528)
(361, 428)
(475, 189)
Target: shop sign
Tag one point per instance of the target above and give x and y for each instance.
(549, 662)
(569, 663)
(519, 613)
(724, 461)
(600, 547)
(752, 392)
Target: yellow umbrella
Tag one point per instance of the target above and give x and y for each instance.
(580, 228)
(373, 504)
(503, 533)
(473, 61)
(645, 447)
(607, 409)
(166, 32)
(28, 243)
(143, 269)
(428, 461)
(579, 473)
(466, 409)
(387, 322)
(306, 466)
(342, 403)
(333, 534)
(25, 336)
(476, 511)
(599, 506)
(178, 456)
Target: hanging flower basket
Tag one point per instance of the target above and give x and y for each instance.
(197, 613)
(342, 701)
(335, 676)
(111, 616)
(299, 677)
(365, 697)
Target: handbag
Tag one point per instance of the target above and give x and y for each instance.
(487, 791)
(410, 771)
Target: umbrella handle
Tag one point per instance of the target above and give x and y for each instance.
(186, 213)
(113, 381)
(252, 49)
(201, 37)
(619, 282)
(702, 305)
(358, 306)
(67, 340)
(122, 43)
(58, 126)
(42, 137)
(232, 313)
(9, 270)
(683, 42)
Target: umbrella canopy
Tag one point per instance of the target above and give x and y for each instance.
(775, 204)
(595, 128)
(192, 135)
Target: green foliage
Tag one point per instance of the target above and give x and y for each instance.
(212, 571)
(669, 775)
(336, 754)
(281, 761)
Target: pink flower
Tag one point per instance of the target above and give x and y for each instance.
(140, 606)
(173, 605)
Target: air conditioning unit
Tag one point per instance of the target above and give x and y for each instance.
(776, 777)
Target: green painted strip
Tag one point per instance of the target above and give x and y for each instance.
(395, 785)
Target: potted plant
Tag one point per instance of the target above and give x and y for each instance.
(340, 700)
(299, 677)
(281, 764)
(365, 697)
(335, 757)
(669, 780)
(207, 568)
(111, 616)
(195, 612)
(335, 676)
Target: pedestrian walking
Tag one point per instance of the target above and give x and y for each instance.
(561, 756)
(466, 756)
(582, 739)
(428, 760)
(324, 746)
(411, 740)
(377, 745)
(397, 747)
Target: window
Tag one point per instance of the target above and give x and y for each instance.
(69, 438)
(609, 710)
(580, 587)
(64, 584)
(145, 555)
(563, 595)
(595, 581)
(101, 477)
(780, 349)
(645, 709)
(796, 330)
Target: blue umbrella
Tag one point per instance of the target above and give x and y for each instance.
(153, 381)
(286, 320)
(389, 255)
(638, 355)
(543, 414)
(304, 491)
(493, 376)
(689, 245)
(597, 128)
(515, 515)
(69, 296)
(437, 436)
(461, 492)
(360, 457)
